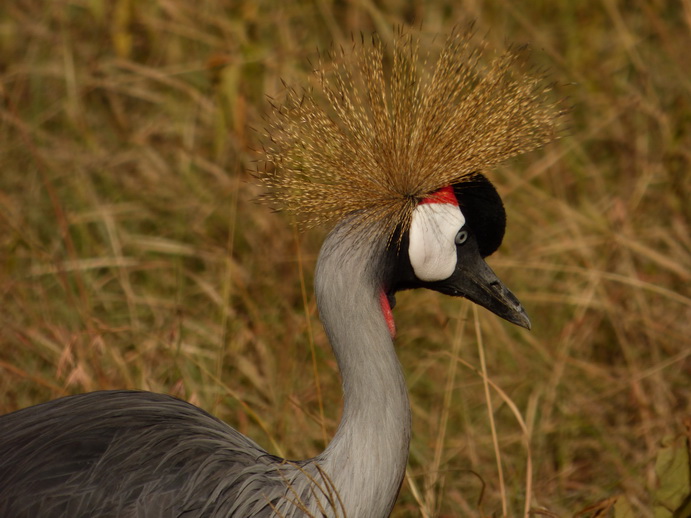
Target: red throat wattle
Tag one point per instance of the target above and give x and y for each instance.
(388, 314)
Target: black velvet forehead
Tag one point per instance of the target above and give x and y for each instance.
(484, 212)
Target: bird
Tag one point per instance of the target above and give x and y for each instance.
(390, 144)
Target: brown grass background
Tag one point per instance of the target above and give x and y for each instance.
(133, 256)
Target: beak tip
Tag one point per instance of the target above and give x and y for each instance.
(521, 318)
(527, 325)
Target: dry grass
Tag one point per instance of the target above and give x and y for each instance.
(131, 255)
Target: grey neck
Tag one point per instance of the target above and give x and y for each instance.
(366, 460)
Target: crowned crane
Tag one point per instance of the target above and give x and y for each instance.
(396, 158)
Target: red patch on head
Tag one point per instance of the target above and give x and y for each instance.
(443, 195)
(388, 314)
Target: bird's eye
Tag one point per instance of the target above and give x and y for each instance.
(461, 237)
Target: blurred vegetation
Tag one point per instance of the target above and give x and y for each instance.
(133, 256)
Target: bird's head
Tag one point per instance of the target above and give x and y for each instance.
(392, 148)
(451, 233)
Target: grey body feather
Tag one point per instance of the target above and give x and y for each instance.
(139, 454)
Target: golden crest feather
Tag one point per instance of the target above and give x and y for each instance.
(382, 131)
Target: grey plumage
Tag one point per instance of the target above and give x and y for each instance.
(414, 212)
(131, 454)
(139, 454)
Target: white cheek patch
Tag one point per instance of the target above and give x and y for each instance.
(432, 247)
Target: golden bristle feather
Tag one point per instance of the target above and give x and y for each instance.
(380, 132)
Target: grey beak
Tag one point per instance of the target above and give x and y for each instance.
(483, 287)
(475, 280)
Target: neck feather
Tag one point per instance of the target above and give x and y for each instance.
(366, 460)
